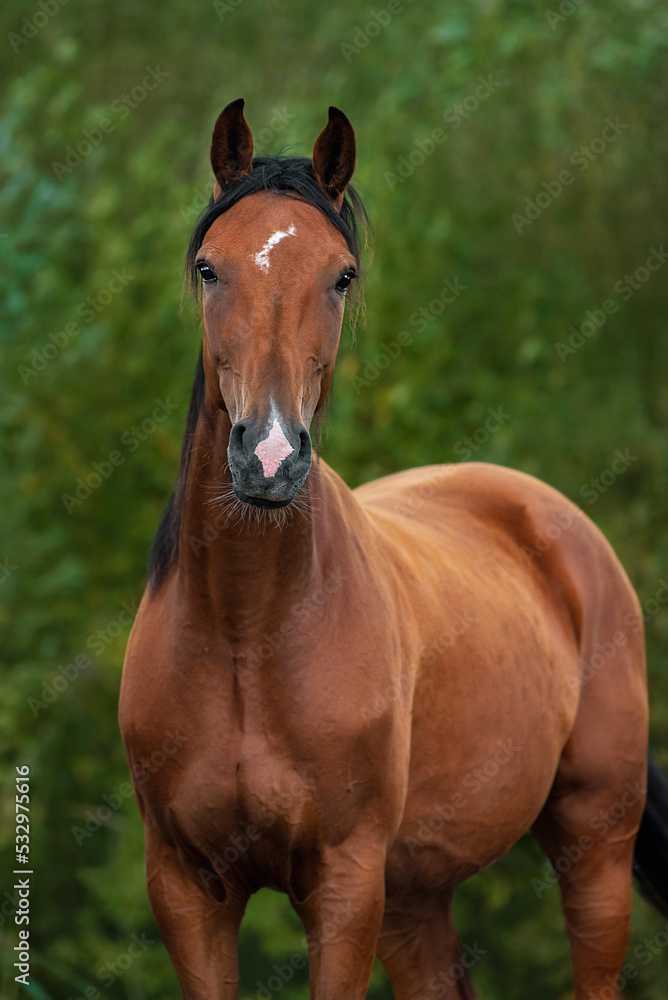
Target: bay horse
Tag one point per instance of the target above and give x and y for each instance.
(375, 693)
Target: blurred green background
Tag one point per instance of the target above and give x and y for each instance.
(92, 243)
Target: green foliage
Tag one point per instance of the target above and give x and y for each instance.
(553, 81)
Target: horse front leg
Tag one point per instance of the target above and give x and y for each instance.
(342, 918)
(199, 931)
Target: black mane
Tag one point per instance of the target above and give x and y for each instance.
(292, 177)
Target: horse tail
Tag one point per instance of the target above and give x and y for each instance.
(650, 859)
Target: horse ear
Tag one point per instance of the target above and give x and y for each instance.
(231, 146)
(334, 155)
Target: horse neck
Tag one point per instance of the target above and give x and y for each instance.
(243, 565)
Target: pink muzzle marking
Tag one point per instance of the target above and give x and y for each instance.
(273, 450)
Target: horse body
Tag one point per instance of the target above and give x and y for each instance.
(440, 748)
(374, 696)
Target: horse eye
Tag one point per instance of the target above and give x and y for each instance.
(208, 274)
(344, 281)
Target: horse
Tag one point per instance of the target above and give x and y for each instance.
(369, 695)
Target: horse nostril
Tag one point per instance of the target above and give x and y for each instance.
(235, 447)
(298, 460)
(305, 447)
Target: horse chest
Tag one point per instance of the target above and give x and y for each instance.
(214, 797)
(257, 792)
(264, 767)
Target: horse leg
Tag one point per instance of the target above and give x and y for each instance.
(199, 932)
(342, 917)
(588, 833)
(420, 949)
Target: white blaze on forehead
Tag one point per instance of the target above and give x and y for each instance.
(262, 258)
(273, 450)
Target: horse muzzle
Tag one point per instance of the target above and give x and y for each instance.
(269, 463)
